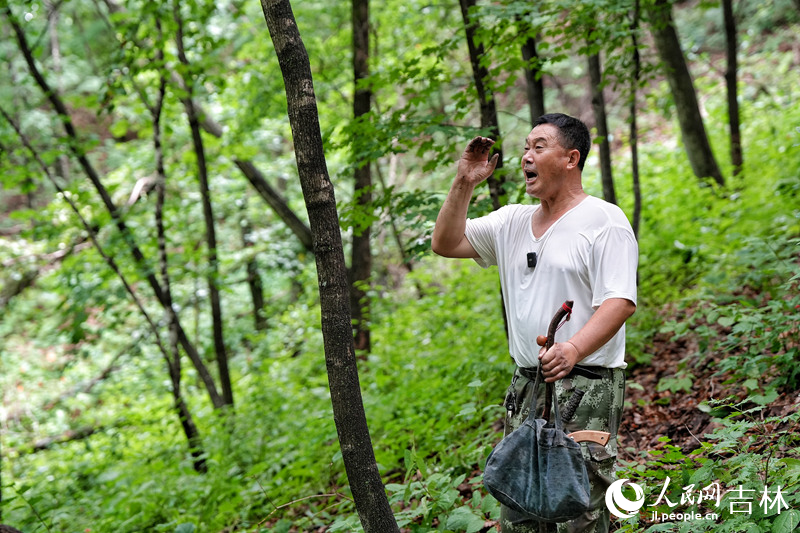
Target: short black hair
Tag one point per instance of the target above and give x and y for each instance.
(574, 133)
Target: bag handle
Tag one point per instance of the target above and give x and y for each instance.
(562, 315)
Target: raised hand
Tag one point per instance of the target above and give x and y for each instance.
(475, 166)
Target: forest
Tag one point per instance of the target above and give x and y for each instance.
(219, 310)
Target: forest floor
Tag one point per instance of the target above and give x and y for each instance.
(654, 413)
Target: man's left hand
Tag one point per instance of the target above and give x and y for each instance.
(557, 362)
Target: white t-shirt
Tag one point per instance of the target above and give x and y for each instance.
(588, 255)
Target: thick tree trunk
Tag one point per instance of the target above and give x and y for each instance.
(211, 234)
(361, 260)
(369, 494)
(486, 100)
(730, 82)
(91, 173)
(601, 122)
(634, 132)
(695, 140)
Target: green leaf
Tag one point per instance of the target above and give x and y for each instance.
(726, 321)
(765, 399)
(464, 519)
(786, 521)
(186, 527)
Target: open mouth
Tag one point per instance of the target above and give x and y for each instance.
(530, 175)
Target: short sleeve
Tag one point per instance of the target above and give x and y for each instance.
(482, 235)
(615, 258)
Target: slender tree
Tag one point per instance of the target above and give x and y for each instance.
(253, 277)
(731, 84)
(212, 277)
(369, 494)
(361, 259)
(256, 178)
(76, 148)
(190, 430)
(173, 356)
(534, 83)
(601, 120)
(486, 100)
(695, 139)
(489, 120)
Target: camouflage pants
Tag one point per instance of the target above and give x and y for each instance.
(600, 409)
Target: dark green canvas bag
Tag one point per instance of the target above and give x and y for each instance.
(537, 469)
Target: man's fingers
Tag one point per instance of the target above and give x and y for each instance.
(493, 161)
(555, 365)
(480, 145)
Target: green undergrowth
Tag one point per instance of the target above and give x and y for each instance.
(432, 388)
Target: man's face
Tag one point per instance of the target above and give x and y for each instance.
(544, 162)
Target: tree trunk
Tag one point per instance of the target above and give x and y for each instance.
(695, 140)
(488, 106)
(173, 357)
(730, 82)
(208, 214)
(361, 260)
(77, 151)
(637, 70)
(369, 494)
(62, 164)
(489, 120)
(254, 279)
(533, 74)
(601, 122)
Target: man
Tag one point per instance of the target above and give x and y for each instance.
(571, 246)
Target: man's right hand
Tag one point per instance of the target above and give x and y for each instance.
(475, 166)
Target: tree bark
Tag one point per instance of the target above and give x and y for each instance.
(208, 214)
(695, 140)
(732, 90)
(361, 253)
(369, 494)
(91, 173)
(534, 85)
(601, 122)
(486, 100)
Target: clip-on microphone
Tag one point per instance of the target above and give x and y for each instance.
(531, 259)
